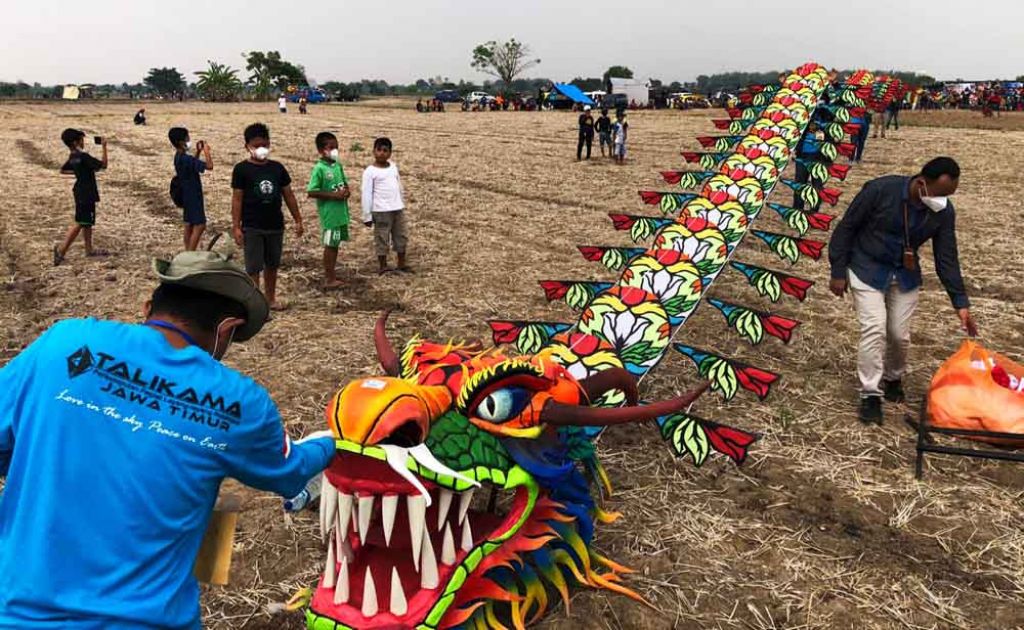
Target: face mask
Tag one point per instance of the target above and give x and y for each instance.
(188, 145)
(333, 154)
(261, 153)
(935, 204)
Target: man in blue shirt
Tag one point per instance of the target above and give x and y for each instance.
(115, 438)
(873, 252)
(806, 150)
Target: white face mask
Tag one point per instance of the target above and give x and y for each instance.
(935, 204)
(188, 145)
(333, 154)
(261, 153)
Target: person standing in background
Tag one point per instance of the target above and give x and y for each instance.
(586, 133)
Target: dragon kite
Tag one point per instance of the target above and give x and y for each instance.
(462, 493)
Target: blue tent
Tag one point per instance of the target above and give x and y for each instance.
(573, 93)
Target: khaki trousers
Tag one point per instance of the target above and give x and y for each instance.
(884, 318)
(389, 232)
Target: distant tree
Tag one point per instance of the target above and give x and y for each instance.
(591, 84)
(269, 72)
(422, 85)
(503, 60)
(165, 81)
(218, 82)
(675, 86)
(617, 72)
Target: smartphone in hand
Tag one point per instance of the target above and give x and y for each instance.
(98, 139)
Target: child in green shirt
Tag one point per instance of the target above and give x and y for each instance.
(329, 186)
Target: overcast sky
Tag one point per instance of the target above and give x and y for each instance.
(110, 41)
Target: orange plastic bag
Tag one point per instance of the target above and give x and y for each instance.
(978, 390)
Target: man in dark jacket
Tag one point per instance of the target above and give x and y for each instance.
(873, 253)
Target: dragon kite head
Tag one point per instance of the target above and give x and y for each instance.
(461, 489)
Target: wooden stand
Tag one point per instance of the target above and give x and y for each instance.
(213, 564)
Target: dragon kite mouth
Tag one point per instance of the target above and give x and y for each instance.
(398, 550)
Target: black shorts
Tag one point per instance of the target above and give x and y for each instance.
(195, 215)
(85, 213)
(262, 249)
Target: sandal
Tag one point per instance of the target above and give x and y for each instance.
(279, 306)
(58, 257)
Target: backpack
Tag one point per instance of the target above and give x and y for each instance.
(177, 195)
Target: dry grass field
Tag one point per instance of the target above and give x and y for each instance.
(824, 527)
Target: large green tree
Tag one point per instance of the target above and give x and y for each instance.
(617, 72)
(165, 81)
(269, 72)
(504, 60)
(219, 82)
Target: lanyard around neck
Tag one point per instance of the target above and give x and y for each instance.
(165, 325)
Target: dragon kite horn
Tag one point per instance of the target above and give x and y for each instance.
(559, 414)
(612, 378)
(385, 352)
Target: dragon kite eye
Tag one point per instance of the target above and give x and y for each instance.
(502, 404)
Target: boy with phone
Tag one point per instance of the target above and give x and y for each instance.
(86, 193)
(187, 170)
(329, 186)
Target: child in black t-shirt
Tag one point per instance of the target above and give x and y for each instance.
(258, 187)
(86, 193)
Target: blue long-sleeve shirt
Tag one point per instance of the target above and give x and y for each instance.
(114, 444)
(869, 239)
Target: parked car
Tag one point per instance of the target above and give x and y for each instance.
(479, 96)
(448, 96)
(313, 95)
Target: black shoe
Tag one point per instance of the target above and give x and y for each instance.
(870, 410)
(893, 391)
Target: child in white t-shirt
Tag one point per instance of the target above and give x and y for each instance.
(383, 207)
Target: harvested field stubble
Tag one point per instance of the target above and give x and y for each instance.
(824, 527)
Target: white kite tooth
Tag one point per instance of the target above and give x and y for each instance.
(330, 571)
(428, 565)
(369, 595)
(467, 537)
(417, 525)
(344, 512)
(388, 509)
(444, 503)
(448, 546)
(328, 504)
(464, 500)
(365, 512)
(341, 590)
(398, 604)
(397, 458)
(425, 458)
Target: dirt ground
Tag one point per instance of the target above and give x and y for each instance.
(824, 527)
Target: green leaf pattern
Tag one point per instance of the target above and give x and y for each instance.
(613, 259)
(768, 285)
(641, 230)
(798, 221)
